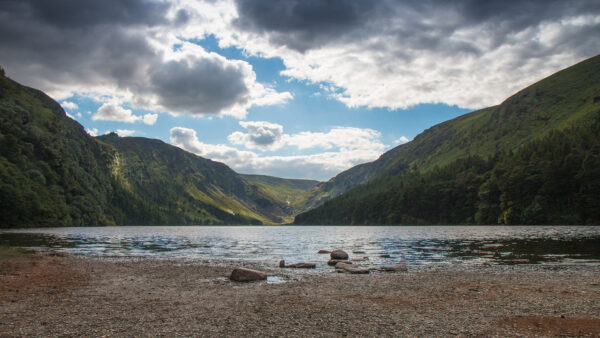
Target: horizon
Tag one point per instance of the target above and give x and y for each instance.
(290, 89)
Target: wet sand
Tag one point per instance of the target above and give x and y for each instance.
(44, 295)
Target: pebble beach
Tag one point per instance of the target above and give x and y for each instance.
(45, 295)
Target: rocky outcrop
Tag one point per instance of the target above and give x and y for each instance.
(247, 275)
(339, 254)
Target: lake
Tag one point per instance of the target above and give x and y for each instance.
(414, 245)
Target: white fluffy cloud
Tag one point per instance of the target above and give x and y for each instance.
(260, 135)
(69, 105)
(401, 140)
(396, 54)
(111, 111)
(92, 131)
(125, 132)
(320, 166)
(264, 135)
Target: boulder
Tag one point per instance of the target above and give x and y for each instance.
(349, 268)
(247, 275)
(333, 262)
(396, 268)
(324, 251)
(302, 265)
(282, 263)
(339, 254)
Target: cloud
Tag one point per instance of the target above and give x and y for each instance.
(149, 119)
(92, 131)
(396, 54)
(264, 136)
(125, 132)
(123, 50)
(69, 105)
(319, 166)
(401, 140)
(344, 138)
(112, 111)
(261, 135)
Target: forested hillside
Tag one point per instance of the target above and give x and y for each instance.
(567, 98)
(52, 173)
(531, 160)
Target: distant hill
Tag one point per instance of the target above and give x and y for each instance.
(293, 192)
(542, 138)
(52, 173)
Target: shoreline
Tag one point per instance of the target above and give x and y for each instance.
(45, 295)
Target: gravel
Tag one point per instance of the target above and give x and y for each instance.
(78, 296)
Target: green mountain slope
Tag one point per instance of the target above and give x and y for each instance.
(293, 192)
(566, 103)
(52, 173)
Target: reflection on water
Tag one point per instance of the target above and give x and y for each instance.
(414, 245)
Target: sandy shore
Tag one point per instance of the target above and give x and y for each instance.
(76, 296)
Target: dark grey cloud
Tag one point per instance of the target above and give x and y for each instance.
(86, 13)
(187, 85)
(303, 25)
(420, 25)
(88, 44)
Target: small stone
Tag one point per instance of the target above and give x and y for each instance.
(282, 263)
(348, 268)
(358, 252)
(385, 256)
(247, 275)
(333, 262)
(396, 268)
(324, 251)
(302, 265)
(339, 254)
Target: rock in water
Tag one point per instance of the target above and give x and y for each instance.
(348, 268)
(324, 251)
(333, 262)
(302, 265)
(396, 268)
(385, 256)
(282, 263)
(358, 252)
(247, 275)
(339, 254)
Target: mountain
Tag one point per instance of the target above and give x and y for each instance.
(293, 192)
(52, 173)
(543, 137)
(188, 188)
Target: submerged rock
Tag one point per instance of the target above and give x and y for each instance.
(358, 252)
(395, 268)
(344, 267)
(247, 275)
(339, 254)
(302, 265)
(324, 251)
(385, 256)
(333, 262)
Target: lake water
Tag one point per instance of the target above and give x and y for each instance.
(469, 245)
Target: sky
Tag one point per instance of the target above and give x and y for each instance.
(288, 88)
